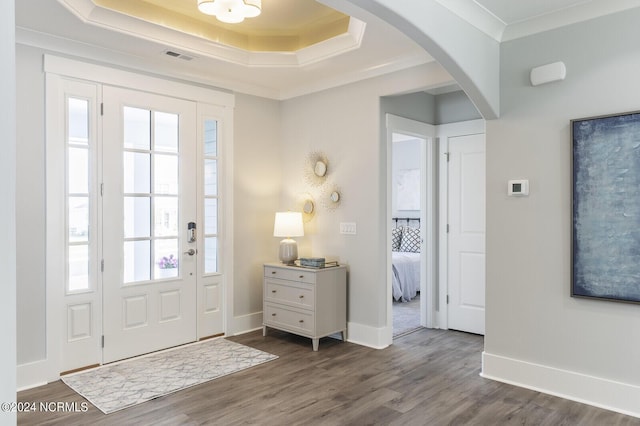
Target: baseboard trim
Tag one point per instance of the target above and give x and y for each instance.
(246, 323)
(602, 393)
(372, 337)
(32, 374)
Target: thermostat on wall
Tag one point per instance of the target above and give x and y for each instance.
(518, 188)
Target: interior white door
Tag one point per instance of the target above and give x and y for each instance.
(466, 270)
(149, 202)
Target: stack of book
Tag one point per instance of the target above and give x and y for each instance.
(312, 262)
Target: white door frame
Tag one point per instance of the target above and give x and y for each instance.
(426, 132)
(444, 132)
(49, 369)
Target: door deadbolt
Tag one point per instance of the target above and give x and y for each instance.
(191, 232)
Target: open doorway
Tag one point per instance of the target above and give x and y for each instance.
(411, 223)
(457, 123)
(406, 213)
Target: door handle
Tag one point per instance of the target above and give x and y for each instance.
(190, 252)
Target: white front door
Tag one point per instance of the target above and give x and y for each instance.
(123, 185)
(466, 255)
(149, 207)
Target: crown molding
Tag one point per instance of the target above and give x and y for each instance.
(563, 17)
(476, 15)
(398, 64)
(485, 21)
(431, 76)
(156, 67)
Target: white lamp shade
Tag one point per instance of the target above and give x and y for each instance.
(288, 224)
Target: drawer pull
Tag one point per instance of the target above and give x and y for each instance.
(273, 315)
(273, 272)
(273, 291)
(301, 321)
(301, 297)
(301, 276)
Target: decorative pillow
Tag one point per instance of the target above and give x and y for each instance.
(396, 237)
(410, 240)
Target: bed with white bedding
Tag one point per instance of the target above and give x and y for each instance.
(405, 259)
(405, 275)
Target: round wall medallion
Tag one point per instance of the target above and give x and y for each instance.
(305, 203)
(316, 169)
(320, 168)
(308, 207)
(331, 197)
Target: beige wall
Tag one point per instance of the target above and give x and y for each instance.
(345, 124)
(30, 206)
(257, 184)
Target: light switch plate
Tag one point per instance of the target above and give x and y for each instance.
(348, 228)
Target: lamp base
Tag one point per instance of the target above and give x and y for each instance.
(288, 251)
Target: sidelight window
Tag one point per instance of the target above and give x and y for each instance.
(79, 205)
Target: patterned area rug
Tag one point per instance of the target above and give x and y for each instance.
(116, 386)
(406, 317)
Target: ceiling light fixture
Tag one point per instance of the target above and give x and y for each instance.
(231, 11)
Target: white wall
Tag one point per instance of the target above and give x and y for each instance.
(454, 107)
(405, 156)
(537, 335)
(344, 123)
(7, 210)
(445, 108)
(419, 106)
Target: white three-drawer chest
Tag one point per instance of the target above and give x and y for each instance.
(306, 301)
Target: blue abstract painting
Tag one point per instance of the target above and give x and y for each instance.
(606, 207)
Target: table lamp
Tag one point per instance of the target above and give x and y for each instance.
(288, 225)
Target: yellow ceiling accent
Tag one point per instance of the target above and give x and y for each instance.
(283, 25)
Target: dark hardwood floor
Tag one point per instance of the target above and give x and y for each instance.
(429, 377)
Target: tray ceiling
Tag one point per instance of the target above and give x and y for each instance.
(283, 25)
